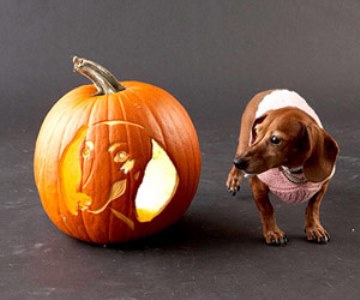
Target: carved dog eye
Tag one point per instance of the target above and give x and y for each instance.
(86, 152)
(275, 140)
(121, 156)
(89, 146)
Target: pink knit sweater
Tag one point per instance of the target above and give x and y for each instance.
(279, 184)
(286, 190)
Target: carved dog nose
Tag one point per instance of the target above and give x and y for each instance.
(240, 163)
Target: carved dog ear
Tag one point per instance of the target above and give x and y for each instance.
(322, 154)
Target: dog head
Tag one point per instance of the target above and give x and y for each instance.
(289, 137)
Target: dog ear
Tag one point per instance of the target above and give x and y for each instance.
(322, 154)
(254, 128)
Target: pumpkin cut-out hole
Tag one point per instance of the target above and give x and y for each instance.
(158, 187)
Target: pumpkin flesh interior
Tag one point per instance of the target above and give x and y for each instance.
(158, 186)
(70, 169)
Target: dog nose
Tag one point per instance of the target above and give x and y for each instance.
(240, 163)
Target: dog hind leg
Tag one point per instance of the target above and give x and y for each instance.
(313, 228)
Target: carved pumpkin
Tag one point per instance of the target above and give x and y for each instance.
(115, 161)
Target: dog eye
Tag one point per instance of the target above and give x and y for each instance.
(275, 140)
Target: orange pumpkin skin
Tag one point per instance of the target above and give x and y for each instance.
(129, 119)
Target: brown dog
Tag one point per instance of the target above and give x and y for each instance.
(283, 143)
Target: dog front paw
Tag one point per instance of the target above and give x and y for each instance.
(234, 181)
(275, 237)
(317, 233)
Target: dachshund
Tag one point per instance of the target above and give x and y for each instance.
(283, 149)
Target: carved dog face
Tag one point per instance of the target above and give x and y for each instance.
(103, 166)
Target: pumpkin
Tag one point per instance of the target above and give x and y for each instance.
(115, 161)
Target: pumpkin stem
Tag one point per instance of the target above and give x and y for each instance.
(104, 81)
